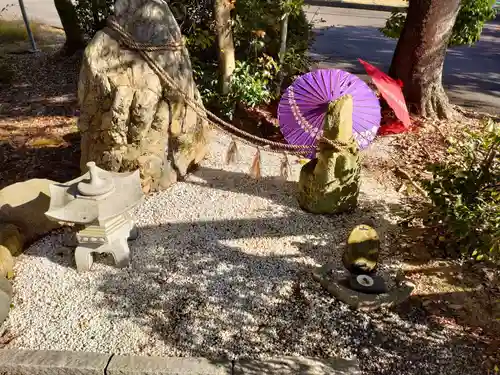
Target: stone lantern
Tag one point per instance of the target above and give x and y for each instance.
(100, 202)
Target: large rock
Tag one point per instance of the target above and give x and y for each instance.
(22, 213)
(330, 183)
(129, 118)
(11, 238)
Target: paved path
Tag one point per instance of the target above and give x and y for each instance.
(471, 74)
(39, 10)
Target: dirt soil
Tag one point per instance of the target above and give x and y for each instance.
(39, 139)
(38, 133)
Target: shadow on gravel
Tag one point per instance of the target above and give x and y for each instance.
(200, 295)
(44, 84)
(296, 365)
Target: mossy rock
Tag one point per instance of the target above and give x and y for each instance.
(5, 299)
(329, 184)
(24, 204)
(12, 238)
(6, 263)
(362, 251)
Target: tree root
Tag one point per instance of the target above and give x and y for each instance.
(435, 104)
(403, 174)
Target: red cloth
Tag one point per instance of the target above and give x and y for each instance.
(390, 124)
(390, 90)
(392, 127)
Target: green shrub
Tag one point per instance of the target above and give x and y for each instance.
(256, 30)
(465, 193)
(251, 85)
(92, 14)
(467, 30)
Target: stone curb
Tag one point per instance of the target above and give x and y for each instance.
(30, 362)
(354, 5)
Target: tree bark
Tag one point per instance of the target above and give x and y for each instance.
(420, 53)
(71, 25)
(222, 14)
(283, 40)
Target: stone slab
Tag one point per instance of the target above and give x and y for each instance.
(135, 365)
(296, 366)
(358, 300)
(28, 362)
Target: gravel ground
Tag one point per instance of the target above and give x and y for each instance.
(221, 268)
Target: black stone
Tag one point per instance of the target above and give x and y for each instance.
(378, 286)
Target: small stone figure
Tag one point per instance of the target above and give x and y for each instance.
(362, 251)
(329, 184)
(358, 285)
(360, 258)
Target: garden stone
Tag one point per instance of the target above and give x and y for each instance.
(5, 298)
(334, 281)
(129, 118)
(6, 263)
(11, 238)
(330, 183)
(362, 251)
(374, 284)
(22, 207)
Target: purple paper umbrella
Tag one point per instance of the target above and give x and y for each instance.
(303, 107)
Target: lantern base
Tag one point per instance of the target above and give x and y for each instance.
(109, 237)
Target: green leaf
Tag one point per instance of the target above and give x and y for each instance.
(473, 15)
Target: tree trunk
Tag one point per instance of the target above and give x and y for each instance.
(419, 57)
(71, 25)
(222, 14)
(282, 53)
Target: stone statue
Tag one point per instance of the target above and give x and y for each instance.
(360, 284)
(362, 251)
(329, 184)
(129, 118)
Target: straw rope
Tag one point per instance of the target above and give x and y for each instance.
(236, 133)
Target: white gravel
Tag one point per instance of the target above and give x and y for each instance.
(221, 269)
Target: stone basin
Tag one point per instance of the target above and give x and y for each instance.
(333, 283)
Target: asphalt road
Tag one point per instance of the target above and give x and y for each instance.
(40, 10)
(471, 74)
